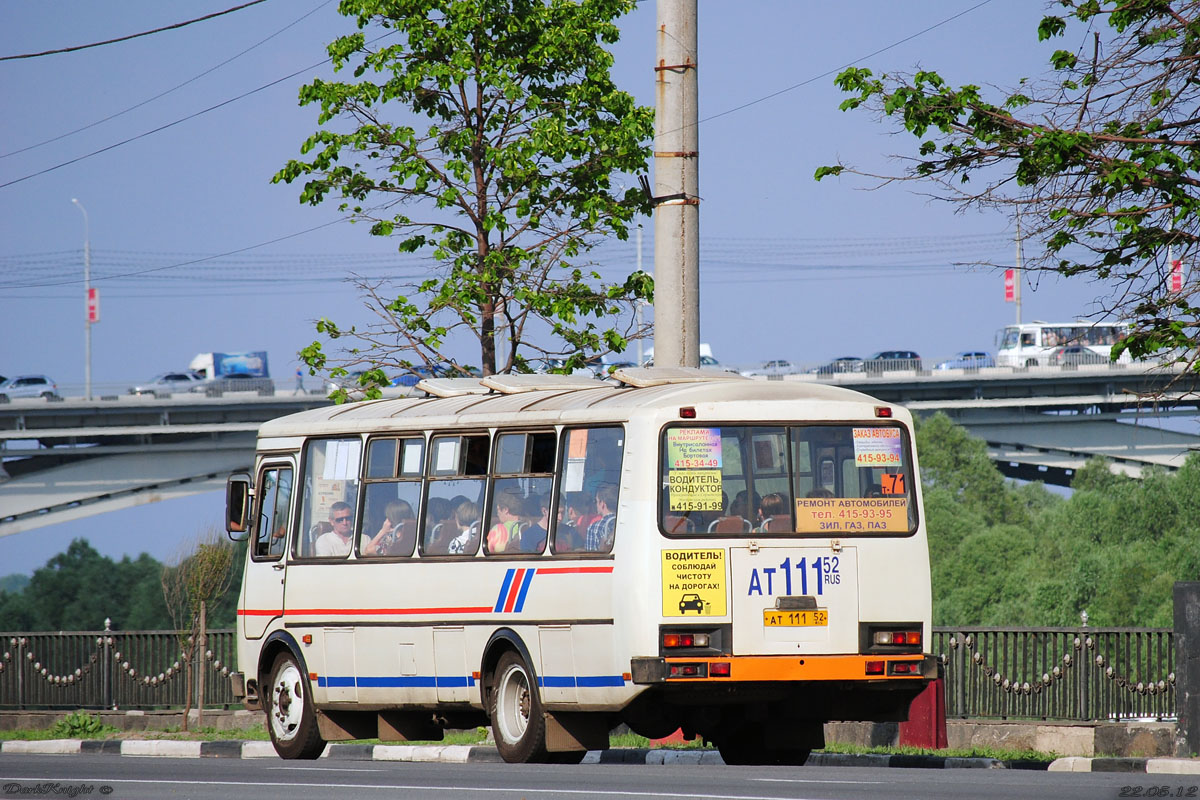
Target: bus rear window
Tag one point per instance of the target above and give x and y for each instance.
(786, 480)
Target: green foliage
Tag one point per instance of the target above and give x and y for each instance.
(14, 583)
(79, 725)
(1099, 160)
(78, 588)
(1003, 554)
(489, 135)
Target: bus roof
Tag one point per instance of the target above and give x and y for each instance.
(547, 399)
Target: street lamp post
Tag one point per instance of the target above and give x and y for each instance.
(87, 293)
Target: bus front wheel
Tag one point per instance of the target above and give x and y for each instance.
(291, 719)
(518, 724)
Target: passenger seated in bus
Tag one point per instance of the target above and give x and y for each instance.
(466, 521)
(337, 541)
(820, 492)
(739, 516)
(439, 526)
(568, 536)
(600, 533)
(776, 514)
(533, 534)
(395, 535)
(581, 509)
(508, 508)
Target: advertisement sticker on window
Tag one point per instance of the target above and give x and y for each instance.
(694, 448)
(877, 447)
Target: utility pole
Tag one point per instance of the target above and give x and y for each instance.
(676, 189)
(87, 294)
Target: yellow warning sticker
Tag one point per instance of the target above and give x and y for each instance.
(693, 582)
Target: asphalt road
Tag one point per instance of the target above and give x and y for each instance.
(120, 777)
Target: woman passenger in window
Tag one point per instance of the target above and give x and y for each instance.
(389, 540)
(776, 516)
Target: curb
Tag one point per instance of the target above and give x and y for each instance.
(1155, 766)
(462, 754)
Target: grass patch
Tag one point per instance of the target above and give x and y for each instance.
(972, 752)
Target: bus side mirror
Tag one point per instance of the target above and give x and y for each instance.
(237, 506)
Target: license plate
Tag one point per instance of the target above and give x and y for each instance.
(795, 619)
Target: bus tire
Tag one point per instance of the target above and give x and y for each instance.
(291, 718)
(518, 724)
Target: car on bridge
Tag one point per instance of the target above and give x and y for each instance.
(28, 386)
(237, 382)
(1075, 354)
(893, 360)
(167, 383)
(968, 359)
(840, 365)
(768, 368)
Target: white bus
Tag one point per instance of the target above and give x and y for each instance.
(1037, 343)
(555, 555)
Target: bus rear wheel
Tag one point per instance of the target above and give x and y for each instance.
(291, 719)
(518, 724)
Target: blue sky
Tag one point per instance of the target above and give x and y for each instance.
(169, 142)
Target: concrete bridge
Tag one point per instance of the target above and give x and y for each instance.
(73, 458)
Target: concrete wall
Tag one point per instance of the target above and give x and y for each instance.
(1083, 739)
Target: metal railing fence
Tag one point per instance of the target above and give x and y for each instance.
(113, 670)
(1065, 674)
(1068, 674)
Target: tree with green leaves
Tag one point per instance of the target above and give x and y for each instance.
(489, 135)
(1099, 161)
(201, 577)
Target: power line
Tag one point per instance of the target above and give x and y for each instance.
(133, 35)
(168, 91)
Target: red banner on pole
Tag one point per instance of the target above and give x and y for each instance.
(93, 305)
(1176, 275)
(1010, 285)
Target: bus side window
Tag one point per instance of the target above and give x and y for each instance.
(589, 487)
(454, 495)
(331, 470)
(522, 478)
(275, 500)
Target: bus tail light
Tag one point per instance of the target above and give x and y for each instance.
(906, 667)
(672, 640)
(891, 638)
(883, 411)
(898, 637)
(719, 669)
(875, 667)
(687, 670)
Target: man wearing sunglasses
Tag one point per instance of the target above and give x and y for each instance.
(336, 543)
